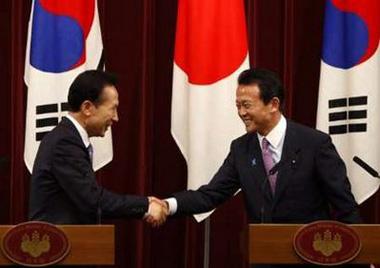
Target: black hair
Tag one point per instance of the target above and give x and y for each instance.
(89, 85)
(269, 84)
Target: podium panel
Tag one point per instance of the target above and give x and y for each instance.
(90, 244)
(273, 243)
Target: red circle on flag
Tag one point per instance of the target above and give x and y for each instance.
(211, 41)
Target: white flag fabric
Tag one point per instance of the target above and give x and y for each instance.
(210, 52)
(64, 39)
(349, 93)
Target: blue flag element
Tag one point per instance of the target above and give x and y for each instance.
(346, 38)
(64, 39)
(57, 41)
(349, 99)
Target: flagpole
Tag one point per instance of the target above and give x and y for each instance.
(206, 258)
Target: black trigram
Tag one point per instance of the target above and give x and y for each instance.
(52, 120)
(347, 114)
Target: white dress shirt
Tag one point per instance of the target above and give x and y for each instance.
(276, 139)
(82, 132)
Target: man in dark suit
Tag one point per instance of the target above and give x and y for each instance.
(288, 173)
(63, 184)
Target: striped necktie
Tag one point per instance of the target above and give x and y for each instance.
(268, 164)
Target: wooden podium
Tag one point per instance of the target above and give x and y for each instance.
(90, 244)
(273, 244)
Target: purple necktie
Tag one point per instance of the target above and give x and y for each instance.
(90, 151)
(269, 163)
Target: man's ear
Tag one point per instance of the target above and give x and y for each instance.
(275, 104)
(87, 107)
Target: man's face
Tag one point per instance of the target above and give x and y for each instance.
(104, 114)
(256, 115)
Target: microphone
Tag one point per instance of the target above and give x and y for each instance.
(366, 167)
(291, 159)
(276, 167)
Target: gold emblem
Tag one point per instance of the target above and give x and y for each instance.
(327, 244)
(35, 246)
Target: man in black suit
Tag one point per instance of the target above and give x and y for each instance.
(63, 184)
(288, 173)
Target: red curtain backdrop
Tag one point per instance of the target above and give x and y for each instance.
(138, 35)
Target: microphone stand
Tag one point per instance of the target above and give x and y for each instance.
(292, 160)
(264, 185)
(262, 209)
(99, 207)
(3, 161)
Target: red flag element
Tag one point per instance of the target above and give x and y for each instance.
(366, 10)
(210, 47)
(211, 51)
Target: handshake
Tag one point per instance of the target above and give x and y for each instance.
(157, 212)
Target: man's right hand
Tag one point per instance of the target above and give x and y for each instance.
(157, 212)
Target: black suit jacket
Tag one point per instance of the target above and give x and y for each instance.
(63, 186)
(311, 178)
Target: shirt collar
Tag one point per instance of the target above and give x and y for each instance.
(276, 135)
(82, 132)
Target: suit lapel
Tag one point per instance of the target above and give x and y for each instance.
(289, 153)
(66, 123)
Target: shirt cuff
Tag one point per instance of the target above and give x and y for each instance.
(147, 213)
(172, 202)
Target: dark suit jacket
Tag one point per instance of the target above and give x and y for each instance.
(311, 177)
(63, 187)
